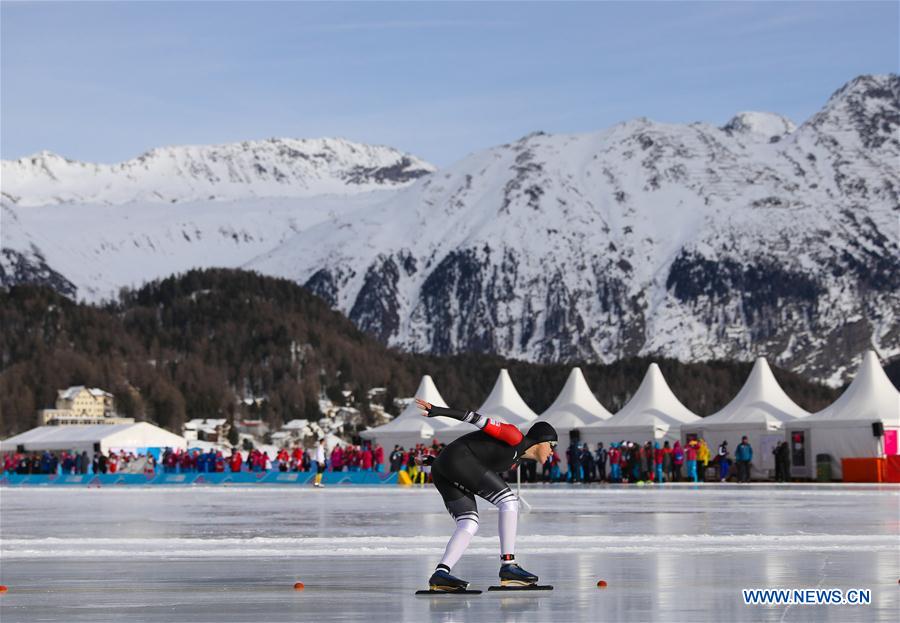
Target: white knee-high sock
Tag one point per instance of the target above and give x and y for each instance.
(507, 524)
(466, 527)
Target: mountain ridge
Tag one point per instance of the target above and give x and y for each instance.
(275, 167)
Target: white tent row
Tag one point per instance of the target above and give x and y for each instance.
(760, 412)
(104, 437)
(409, 428)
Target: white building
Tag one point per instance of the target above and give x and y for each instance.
(80, 405)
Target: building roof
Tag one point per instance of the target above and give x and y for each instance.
(760, 401)
(575, 406)
(505, 403)
(71, 392)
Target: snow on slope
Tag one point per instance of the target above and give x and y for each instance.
(693, 241)
(90, 229)
(101, 248)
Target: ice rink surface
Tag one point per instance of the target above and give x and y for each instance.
(678, 553)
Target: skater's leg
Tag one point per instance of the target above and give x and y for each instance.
(507, 525)
(466, 527)
(496, 491)
(493, 489)
(462, 507)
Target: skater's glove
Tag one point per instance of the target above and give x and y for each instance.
(427, 460)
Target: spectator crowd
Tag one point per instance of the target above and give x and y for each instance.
(622, 462)
(70, 462)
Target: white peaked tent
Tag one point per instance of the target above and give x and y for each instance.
(574, 408)
(503, 403)
(652, 414)
(410, 427)
(844, 429)
(760, 411)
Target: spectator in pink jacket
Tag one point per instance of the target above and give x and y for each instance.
(337, 459)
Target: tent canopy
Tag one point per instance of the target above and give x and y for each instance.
(844, 428)
(653, 404)
(761, 403)
(575, 406)
(505, 403)
(136, 435)
(410, 426)
(870, 397)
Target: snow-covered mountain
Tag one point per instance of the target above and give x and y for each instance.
(89, 229)
(690, 241)
(758, 238)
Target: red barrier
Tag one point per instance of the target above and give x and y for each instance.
(892, 469)
(863, 470)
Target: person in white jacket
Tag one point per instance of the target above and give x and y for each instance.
(320, 463)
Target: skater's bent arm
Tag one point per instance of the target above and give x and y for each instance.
(506, 433)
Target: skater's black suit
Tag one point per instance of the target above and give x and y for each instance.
(468, 467)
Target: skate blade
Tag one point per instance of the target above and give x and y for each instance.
(521, 587)
(441, 590)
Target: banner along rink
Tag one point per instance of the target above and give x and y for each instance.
(680, 553)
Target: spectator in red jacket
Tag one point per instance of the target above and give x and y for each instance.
(187, 462)
(297, 459)
(235, 461)
(367, 459)
(337, 459)
(378, 458)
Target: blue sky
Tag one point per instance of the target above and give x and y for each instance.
(104, 82)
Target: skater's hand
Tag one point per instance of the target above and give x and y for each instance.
(425, 406)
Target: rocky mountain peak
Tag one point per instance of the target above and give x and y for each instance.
(869, 105)
(764, 125)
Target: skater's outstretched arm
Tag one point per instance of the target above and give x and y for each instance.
(498, 430)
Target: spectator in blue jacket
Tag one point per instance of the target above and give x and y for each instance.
(743, 454)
